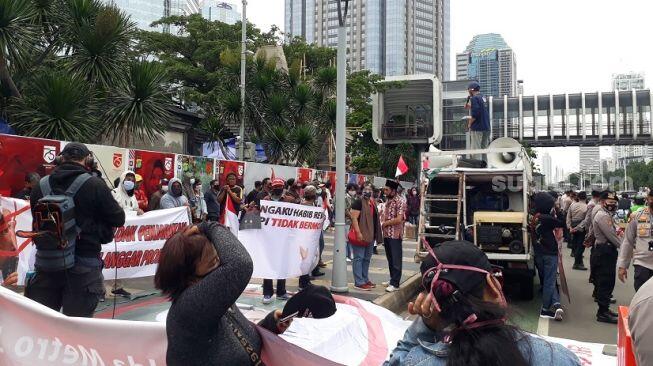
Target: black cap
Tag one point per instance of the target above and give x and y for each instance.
(462, 253)
(596, 194)
(391, 184)
(76, 149)
(316, 299)
(544, 202)
(608, 195)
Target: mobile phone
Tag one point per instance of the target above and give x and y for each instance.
(293, 315)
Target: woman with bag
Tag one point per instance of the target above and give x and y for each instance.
(365, 229)
(203, 270)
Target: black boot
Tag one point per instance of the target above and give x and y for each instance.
(606, 317)
(579, 267)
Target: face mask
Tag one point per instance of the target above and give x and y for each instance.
(199, 188)
(352, 193)
(611, 208)
(192, 181)
(367, 195)
(176, 191)
(164, 189)
(277, 191)
(309, 198)
(128, 184)
(216, 187)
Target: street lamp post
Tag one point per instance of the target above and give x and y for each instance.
(339, 274)
(243, 64)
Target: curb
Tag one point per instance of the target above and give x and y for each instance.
(398, 300)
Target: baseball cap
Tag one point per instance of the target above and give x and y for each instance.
(76, 149)
(608, 195)
(474, 85)
(278, 183)
(314, 300)
(459, 253)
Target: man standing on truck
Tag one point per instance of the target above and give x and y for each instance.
(478, 122)
(605, 252)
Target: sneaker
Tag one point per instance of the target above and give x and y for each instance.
(267, 299)
(558, 312)
(547, 314)
(391, 288)
(363, 287)
(317, 274)
(580, 267)
(348, 260)
(371, 284)
(283, 297)
(375, 251)
(121, 292)
(321, 264)
(385, 283)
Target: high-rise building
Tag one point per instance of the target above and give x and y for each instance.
(628, 81)
(590, 160)
(624, 155)
(214, 10)
(489, 60)
(391, 37)
(142, 12)
(547, 168)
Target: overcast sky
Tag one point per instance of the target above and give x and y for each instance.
(561, 46)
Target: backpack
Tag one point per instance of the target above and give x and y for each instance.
(55, 226)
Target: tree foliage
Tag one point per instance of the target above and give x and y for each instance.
(67, 71)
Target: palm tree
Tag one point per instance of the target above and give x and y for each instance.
(76, 54)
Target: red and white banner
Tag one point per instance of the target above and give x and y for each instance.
(230, 216)
(287, 245)
(133, 253)
(135, 250)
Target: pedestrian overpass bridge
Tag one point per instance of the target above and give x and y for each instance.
(422, 110)
(600, 118)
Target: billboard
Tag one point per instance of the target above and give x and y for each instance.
(19, 156)
(152, 166)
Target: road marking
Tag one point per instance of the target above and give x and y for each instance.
(543, 326)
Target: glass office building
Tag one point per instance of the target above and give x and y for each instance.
(490, 61)
(220, 11)
(142, 12)
(390, 37)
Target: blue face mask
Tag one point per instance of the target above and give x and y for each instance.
(128, 184)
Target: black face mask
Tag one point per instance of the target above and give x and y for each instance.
(176, 191)
(367, 195)
(611, 208)
(277, 192)
(216, 187)
(309, 198)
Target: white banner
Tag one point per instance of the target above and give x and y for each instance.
(133, 253)
(135, 250)
(32, 334)
(287, 245)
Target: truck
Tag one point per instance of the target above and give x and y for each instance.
(481, 196)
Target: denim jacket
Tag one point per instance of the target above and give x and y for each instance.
(420, 347)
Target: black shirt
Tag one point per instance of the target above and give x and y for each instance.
(212, 205)
(358, 206)
(251, 196)
(239, 192)
(23, 195)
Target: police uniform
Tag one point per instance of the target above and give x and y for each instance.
(605, 259)
(638, 247)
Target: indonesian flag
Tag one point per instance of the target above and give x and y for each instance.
(402, 168)
(230, 216)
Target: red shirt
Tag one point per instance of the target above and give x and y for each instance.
(141, 198)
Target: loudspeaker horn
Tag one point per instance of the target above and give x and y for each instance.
(440, 161)
(505, 160)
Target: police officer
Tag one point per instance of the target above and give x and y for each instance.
(638, 246)
(76, 291)
(605, 253)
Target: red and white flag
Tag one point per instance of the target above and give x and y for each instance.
(402, 168)
(230, 216)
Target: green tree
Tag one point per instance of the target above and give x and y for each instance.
(67, 72)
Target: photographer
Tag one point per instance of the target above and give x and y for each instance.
(203, 270)
(77, 290)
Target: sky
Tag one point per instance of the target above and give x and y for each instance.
(561, 45)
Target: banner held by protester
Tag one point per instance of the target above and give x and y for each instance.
(287, 244)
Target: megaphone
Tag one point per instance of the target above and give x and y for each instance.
(505, 160)
(439, 161)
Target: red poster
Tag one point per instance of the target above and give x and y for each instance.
(22, 155)
(362, 179)
(229, 166)
(152, 166)
(304, 175)
(331, 177)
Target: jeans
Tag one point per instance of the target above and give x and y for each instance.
(604, 274)
(394, 254)
(269, 291)
(361, 263)
(547, 268)
(347, 228)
